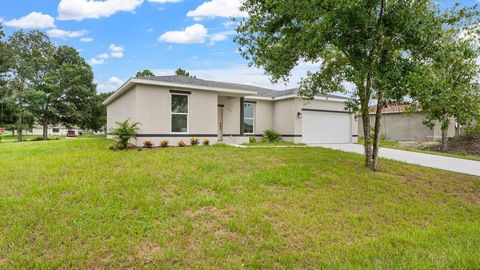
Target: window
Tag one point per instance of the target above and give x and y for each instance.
(179, 113)
(55, 130)
(248, 117)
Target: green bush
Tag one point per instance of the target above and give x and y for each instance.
(124, 132)
(252, 139)
(271, 135)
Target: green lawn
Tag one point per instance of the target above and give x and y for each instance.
(75, 204)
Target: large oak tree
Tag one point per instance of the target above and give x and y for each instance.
(373, 44)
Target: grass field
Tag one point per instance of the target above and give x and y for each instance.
(75, 204)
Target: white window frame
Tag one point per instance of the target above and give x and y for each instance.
(175, 113)
(252, 118)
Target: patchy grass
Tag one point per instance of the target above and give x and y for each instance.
(75, 204)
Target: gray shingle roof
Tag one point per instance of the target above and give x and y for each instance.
(262, 92)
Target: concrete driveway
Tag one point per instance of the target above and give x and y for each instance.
(434, 161)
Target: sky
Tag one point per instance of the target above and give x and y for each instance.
(120, 37)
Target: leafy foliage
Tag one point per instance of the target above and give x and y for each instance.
(271, 135)
(145, 73)
(182, 72)
(147, 144)
(181, 143)
(370, 44)
(124, 132)
(206, 142)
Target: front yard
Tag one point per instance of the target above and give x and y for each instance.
(75, 204)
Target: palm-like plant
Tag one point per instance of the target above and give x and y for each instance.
(124, 132)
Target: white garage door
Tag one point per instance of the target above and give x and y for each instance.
(325, 127)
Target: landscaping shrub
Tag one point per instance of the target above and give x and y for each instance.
(252, 139)
(181, 143)
(206, 142)
(147, 144)
(271, 135)
(163, 143)
(124, 132)
(194, 141)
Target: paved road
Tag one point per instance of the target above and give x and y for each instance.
(434, 161)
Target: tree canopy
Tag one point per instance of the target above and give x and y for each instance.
(145, 73)
(182, 72)
(372, 44)
(47, 85)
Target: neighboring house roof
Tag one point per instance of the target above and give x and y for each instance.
(245, 89)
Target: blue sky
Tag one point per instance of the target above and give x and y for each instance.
(121, 37)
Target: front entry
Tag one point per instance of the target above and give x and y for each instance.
(220, 123)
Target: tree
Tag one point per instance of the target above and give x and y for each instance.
(97, 113)
(182, 72)
(49, 85)
(145, 73)
(446, 88)
(31, 54)
(371, 44)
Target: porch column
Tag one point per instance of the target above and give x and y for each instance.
(242, 101)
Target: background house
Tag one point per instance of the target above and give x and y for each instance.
(397, 124)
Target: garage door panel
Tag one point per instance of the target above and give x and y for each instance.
(325, 127)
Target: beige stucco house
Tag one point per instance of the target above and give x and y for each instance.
(177, 108)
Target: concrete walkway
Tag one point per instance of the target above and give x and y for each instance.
(434, 161)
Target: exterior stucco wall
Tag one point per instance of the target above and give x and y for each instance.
(122, 108)
(263, 116)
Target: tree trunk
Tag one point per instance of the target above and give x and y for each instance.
(45, 130)
(444, 140)
(365, 110)
(20, 129)
(376, 135)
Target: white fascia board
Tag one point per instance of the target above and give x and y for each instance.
(133, 81)
(259, 98)
(315, 98)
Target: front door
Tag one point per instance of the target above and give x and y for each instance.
(220, 124)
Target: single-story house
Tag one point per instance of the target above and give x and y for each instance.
(177, 108)
(52, 130)
(399, 124)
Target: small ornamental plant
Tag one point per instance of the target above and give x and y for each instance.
(194, 141)
(163, 143)
(147, 144)
(181, 143)
(206, 142)
(252, 139)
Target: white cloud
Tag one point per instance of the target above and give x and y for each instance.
(115, 48)
(95, 61)
(34, 20)
(63, 34)
(216, 38)
(192, 34)
(217, 8)
(116, 54)
(86, 39)
(111, 85)
(93, 9)
(103, 56)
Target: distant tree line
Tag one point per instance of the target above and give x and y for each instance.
(44, 84)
